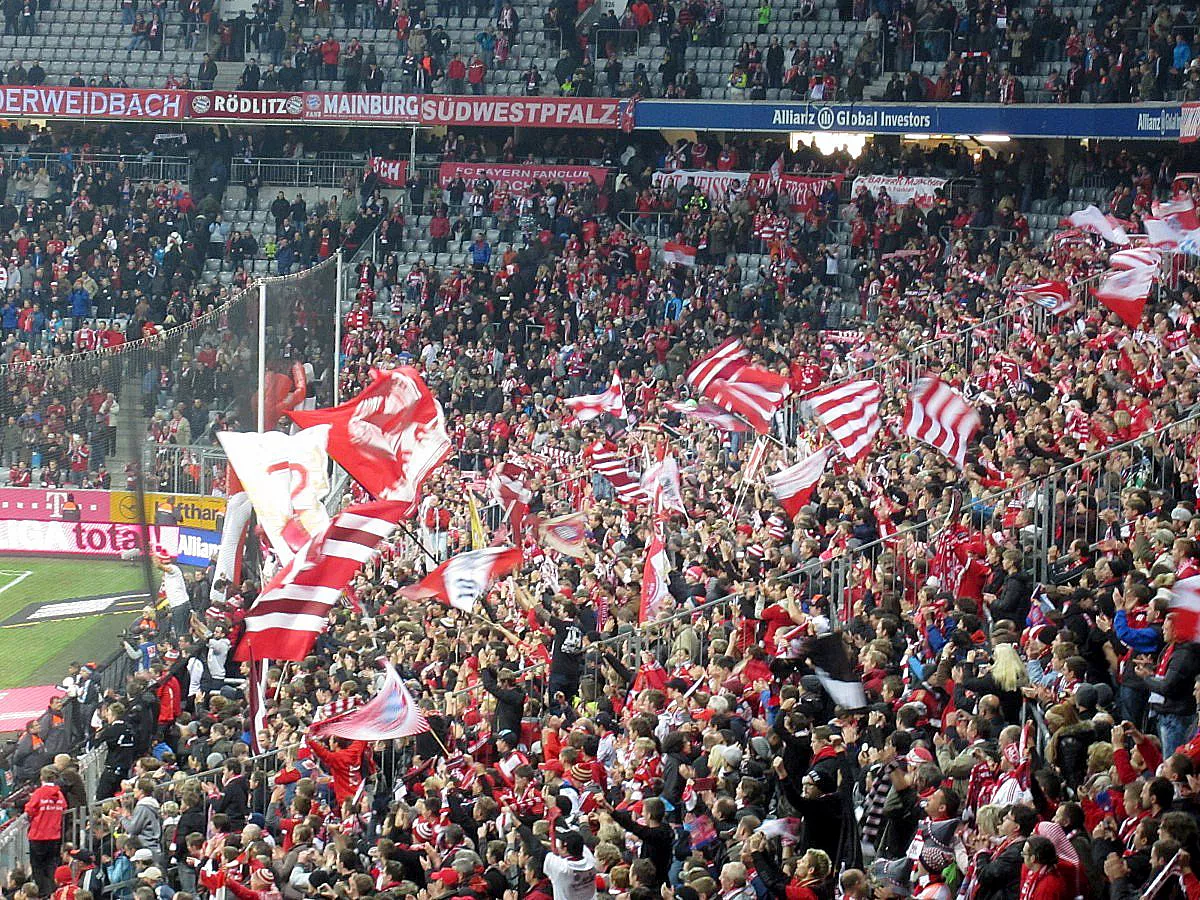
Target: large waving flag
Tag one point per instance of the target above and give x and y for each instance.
(752, 392)
(463, 579)
(939, 416)
(286, 478)
(726, 359)
(1185, 608)
(606, 460)
(1135, 257)
(589, 406)
(794, 485)
(1052, 296)
(283, 623)
(508, 487)
(392, 713)
(1180, 212)
(389, 438)
(709, 412)
(566, 534)
(1091, 219)
(1125, 292)
(851, 414)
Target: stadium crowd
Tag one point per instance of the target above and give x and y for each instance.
(576, 752)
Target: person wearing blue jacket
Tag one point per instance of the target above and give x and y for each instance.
(481, 252)
(80, 301)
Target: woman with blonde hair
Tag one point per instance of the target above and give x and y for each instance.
(1004, 679)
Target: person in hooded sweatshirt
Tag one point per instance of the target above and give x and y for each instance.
(571, 867)
(145, 821)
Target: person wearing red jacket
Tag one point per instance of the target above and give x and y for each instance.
(1041, 873)
(45, 809)
(344, 761)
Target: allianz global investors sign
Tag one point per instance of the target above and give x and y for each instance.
(826, 117)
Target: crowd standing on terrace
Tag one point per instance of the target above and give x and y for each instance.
(1030, 731)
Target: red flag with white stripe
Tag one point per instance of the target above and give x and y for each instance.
(283, 623)
(654, 579)
(1091, 219)
(794, 485)
(751, 392)
(1052, 296)
(678, 252)
(606, 460)
(390, 714)
(939, 416)
(508, 487)
(851, 414)
(589, 406)
(1185, 609)
(661, 483)
(389, 438)
(463, 579)
(1125, 292)
(1180, 212)
(723, 362)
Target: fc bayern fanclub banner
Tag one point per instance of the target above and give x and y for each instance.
(47, 102)
(99, 539)
(329, 107)
(902, 188)
(70, 505)
(519, 178)
(392, 172)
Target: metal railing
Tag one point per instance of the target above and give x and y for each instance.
(141, 167)
(300, 172)
(191, 469)
(14, 846)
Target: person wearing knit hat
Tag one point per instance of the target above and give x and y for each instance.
(892, 878)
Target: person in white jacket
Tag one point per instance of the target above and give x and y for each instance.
(571, 867)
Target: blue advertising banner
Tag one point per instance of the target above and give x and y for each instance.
(1155, 121)
(197, 547)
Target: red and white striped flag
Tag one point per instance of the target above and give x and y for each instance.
(723, 362)
(1135, 257)
(938, 415)
(708, 412)
(654, 579)
(283, 623)
(752, 392)
(606, 460)
(256, 693)
(679, 253)
(389, 438)
(1052, 296)
(390, 714)
(1125, 292)
(461, 580)
(794, 485)
(851, 414)
(589, 406)
(776, 170)
(1185, 609)
(566, 534)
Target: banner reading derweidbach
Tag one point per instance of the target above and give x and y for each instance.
(45, 102)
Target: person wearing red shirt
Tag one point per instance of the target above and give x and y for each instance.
(1041, 875)
(331, 52)
(344, 761)
(456, 74)
(476, 72)
(45, 809)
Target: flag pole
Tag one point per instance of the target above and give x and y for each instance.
(416, 540)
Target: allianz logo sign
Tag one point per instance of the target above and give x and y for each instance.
(1160, 122)
(827, 117)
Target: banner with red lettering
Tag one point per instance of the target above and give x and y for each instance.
(902, 188)
(47, 102)
(518, 178)
(803, 191)
(105, 539)
(392, 172)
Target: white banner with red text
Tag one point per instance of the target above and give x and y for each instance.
(804, 191)
(902, 188)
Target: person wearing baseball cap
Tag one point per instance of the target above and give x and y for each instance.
(173, 591)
